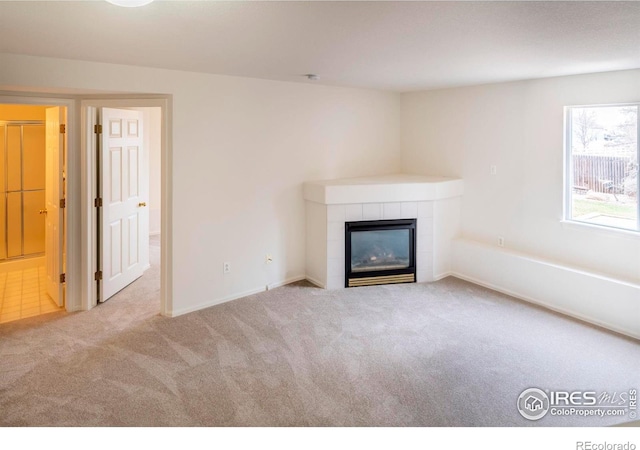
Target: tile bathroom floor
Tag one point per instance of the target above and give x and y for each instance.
(23, 294)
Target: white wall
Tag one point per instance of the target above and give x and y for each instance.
(241, 150)
(590, 274)
(519, 128)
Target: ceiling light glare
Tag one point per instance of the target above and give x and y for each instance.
(130, 3)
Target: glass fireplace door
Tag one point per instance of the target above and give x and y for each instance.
(380, 252)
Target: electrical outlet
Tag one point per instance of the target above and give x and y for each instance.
(493, 169)
(226, 267)
(500, 241)
(268, 259)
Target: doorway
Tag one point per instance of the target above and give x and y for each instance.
(79, 213)
(126, 139)
(101, 224)
(32, 174)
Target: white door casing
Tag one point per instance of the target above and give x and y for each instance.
(124, 216)
(54, 142)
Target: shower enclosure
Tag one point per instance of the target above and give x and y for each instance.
(22, 189)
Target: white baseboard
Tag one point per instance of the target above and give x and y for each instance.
(231, 297)
(442, 275)
(215, 302)
(315, 282)
(285, 282)
(547, 305)
(604, 301)
(600, 300)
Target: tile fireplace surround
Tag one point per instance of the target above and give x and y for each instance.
(433, 201)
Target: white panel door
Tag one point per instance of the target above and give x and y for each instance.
(124, 216)
(54, 142)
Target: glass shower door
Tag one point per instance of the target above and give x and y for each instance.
(22, 185)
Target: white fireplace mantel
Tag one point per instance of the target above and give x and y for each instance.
(382, 189)
(433, 201)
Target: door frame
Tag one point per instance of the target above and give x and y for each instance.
(73, 295)
(88, 107)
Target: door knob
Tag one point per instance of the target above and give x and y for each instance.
(43, 211)
(141, 204)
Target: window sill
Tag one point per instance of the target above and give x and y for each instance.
(600, 229)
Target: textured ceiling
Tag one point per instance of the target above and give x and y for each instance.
(399, 46)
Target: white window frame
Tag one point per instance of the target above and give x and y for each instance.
(568, 172)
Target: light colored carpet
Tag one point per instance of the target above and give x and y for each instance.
(442, 354)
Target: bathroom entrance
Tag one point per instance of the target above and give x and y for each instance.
(32, 185)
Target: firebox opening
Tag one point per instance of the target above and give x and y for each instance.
(380, 252)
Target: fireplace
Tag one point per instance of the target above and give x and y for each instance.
(380, 252)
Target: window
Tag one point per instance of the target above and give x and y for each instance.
(601, 186)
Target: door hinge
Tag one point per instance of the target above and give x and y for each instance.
(63, 203)
(63, 277)
(63, 128)
(98, 275)
(97, 203)
(97, 129)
